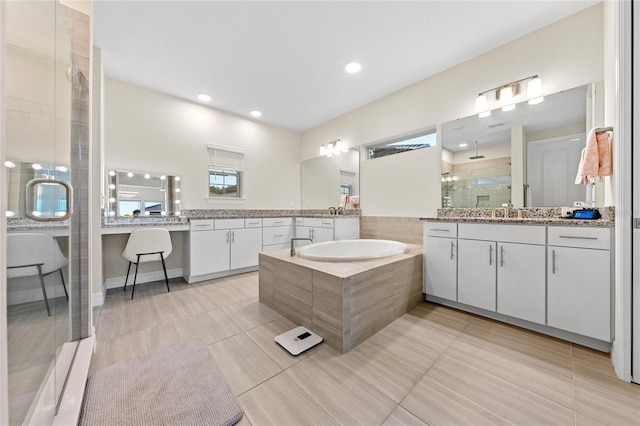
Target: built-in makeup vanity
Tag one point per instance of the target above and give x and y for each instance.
(213, 243)
(540, 272)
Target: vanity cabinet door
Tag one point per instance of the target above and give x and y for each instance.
(321, 235)
(209, 251)
(245, 246)
(440, 272)
(521, 281)
(477, 273)
(579, 295)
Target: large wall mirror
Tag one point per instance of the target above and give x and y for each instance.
(131, 194)
(528, 156)
(325, 179)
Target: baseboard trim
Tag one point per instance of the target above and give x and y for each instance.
(589, 342)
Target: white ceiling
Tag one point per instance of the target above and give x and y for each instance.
(287, 58)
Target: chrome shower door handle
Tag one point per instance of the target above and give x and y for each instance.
(31, 197)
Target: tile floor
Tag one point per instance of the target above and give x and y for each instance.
(434, 365)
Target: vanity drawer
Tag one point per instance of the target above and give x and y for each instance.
(253, 223)
(523, 234)
(327, 223)
(201, 224)
(277, 221)
(312, 221)
(579, 236)
(441, 229)
(229, 223)
(277, 235)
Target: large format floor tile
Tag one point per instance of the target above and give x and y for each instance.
(432, 366)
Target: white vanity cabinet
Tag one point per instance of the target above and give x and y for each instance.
(440, 259)
(217, 246)
(317, 228)
(505, 274)
(579, 280)
(276, 233)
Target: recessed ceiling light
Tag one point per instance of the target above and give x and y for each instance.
(256, 113)
(353, 67)
(462, 145)
(204, 97)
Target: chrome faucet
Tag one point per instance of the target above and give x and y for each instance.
(293, 251)
(507, 210)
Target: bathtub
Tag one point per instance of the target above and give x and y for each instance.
(343, 250)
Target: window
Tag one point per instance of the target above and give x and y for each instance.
(226, 167)
(398, 145)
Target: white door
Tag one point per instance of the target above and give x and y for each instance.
(552, 165)
(245, 246)
(477, 273)
(521, 281)
(440, 260)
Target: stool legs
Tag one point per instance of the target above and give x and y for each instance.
(44, 292)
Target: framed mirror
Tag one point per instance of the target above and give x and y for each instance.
(133, 194)
(323, 180)
(528, 156)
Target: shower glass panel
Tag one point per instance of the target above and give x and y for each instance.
(46, 123)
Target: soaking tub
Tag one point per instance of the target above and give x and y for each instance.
(344, 250)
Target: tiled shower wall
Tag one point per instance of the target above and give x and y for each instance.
(404, 229)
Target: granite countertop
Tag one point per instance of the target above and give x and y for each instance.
(254, 214)
(524, 221)
(123, 222)
(530, 216)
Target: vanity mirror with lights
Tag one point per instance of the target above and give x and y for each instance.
(46, 198)
(131, 194)
(527, 155)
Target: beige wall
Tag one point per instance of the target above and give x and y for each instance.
(157, 133)
(566, 54)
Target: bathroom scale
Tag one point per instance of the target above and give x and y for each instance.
(298, 340)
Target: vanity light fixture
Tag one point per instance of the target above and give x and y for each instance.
(147, 176)
(112, 173)
(10, 213)
(506, 94)
(334, 147)
(463, 145)
(256, 113)
(112, 186)
(36, 166)
(130, 174)
(163, 177)
(177, 178)
(204, 97)
(112, 213)
(61, 169)
(10, 164)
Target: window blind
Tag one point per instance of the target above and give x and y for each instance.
(221, 158)
(347, 177)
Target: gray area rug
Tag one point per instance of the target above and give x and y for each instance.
(178, 385)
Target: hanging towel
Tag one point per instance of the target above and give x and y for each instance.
(344, 200)
(596, 159)
(355, 201)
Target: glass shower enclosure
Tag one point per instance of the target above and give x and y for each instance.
(45, 155)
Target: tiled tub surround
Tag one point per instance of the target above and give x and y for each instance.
(404, 229)
(344, 302)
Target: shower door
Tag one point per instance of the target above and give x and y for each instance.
(46, 128)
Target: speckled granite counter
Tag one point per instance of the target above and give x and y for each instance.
(530, 216)
(249, 214)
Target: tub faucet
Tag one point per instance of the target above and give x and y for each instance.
(293, 251)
